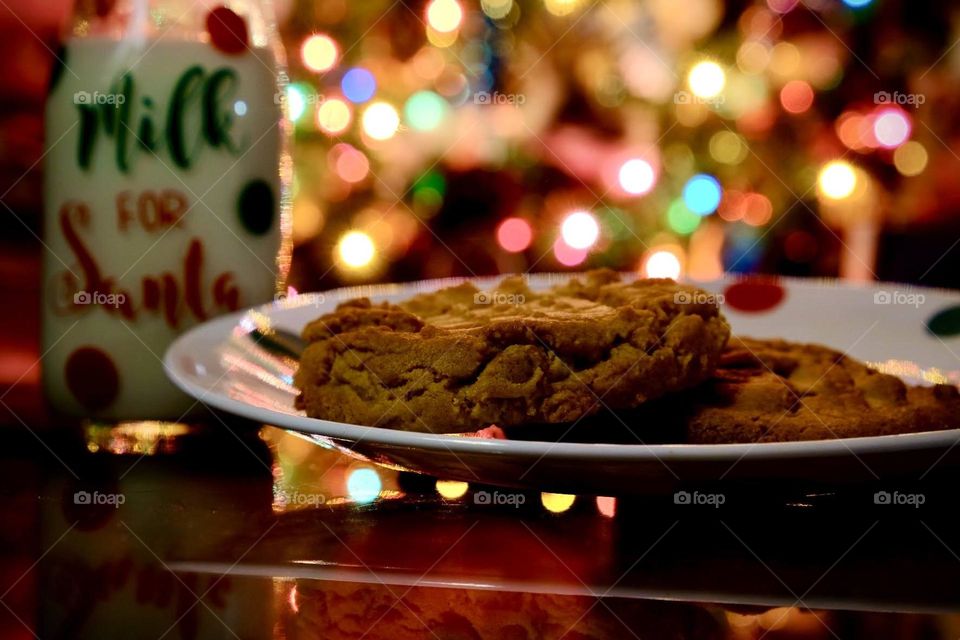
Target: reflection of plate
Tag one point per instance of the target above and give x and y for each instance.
(220, 364)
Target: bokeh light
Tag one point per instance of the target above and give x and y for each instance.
(561, 7)
(636, 176)
(349, 163)
(580, 230)
(910, 159)
(796, 96)
(753, 57)
(782, 6)
(728, 147)
(425, 110)
(319, 52)
(607, 506)
(358, 85)
(706, 79)
(333, 116)
(356, 250)
(514, 234)
(557, 502)
(364, 485)
(856, 4)
(837, 180)
(444, 15)
(681, 219)
(891, 127)
(757, 209)
(452, 489)
(380, 121)
(662, 263)
(308, 220)
(297, 100)
(496, 9)
(567, 255)
(702, 194)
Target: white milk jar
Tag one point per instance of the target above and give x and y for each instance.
(166, 192)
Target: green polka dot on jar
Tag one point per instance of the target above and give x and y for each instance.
(945, 322)
(256, 207)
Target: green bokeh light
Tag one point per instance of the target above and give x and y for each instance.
(425, 110)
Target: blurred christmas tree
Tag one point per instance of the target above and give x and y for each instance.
(457, 138)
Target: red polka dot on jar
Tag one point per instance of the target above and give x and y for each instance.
(228, 31)
(92, 378)
(754, 295)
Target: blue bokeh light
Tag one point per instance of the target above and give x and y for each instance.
(856, 4)
(364, 485)
(702, 194)
(358, 85)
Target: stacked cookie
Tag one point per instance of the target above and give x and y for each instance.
(460, 359)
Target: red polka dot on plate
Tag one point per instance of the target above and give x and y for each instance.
(228, 31)
(92, 378)
(754, 295)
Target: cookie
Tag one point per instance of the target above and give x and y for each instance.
(777, 391)
(461, 359)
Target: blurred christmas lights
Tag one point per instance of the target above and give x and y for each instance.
(319, 53)
(425, 110)
(580, 230)
(380, 121)
(567, 255)
(662, 263)
(358, 85)
(452, 489)
(514, 234)
(837, 180)
(910, 159)
(681, 219)
(702, 194)
(496, 9)
(444, 15)
(364, 485)
(557, 502)
(706, 79)
(333, 116)
(636, 176)
(356, 249)
(296, 95)
(891, 127)
(561, 8)
(796, 96)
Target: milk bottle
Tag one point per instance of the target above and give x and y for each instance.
(166, 192)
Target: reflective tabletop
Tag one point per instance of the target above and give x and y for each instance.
(224, 529)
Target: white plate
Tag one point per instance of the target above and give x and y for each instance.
(220, 364)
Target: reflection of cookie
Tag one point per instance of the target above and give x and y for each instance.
(328, 609)
(460, 359)
(774, 391)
